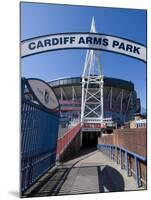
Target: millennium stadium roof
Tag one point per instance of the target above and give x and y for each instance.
(108, 82)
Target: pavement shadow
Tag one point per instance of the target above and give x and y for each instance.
(110, 180)
(51, 185)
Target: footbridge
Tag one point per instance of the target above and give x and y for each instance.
(105, 167)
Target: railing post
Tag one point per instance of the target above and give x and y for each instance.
(105, 151)
(121, 157)
(109, 148)
(126, 163)
(136, 172)
(116, 155)
(111, 153)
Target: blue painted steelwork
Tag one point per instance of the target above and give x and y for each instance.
(39, 133)
(121, 157)
(136, 171)
(105, 149)
(126, 163)
(116, 153)
(111, 153)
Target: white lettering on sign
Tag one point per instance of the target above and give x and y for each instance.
(83, 40)
(43, 93)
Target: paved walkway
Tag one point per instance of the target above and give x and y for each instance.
(89, 173)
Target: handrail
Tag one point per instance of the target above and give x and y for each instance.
(126, 150)
(111, 150)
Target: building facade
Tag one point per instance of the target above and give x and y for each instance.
(119, 97)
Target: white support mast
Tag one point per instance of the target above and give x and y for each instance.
(92, 87)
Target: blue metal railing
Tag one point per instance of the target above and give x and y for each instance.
(39, 132)
(116, 154)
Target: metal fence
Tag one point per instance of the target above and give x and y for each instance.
(39, 132)
(133, 163)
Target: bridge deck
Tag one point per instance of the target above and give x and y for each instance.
(91, 172)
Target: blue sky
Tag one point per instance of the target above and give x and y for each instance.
(43, 19)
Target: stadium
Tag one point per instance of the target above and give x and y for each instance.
(120, 100)
(120, 104)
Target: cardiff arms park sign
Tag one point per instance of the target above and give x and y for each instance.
(83, 41)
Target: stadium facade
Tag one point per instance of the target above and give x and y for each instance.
(120, 100)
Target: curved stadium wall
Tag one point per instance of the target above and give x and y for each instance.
(119, 96)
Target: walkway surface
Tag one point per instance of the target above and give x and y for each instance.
(90, 172)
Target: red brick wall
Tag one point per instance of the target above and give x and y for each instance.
(132, 139)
